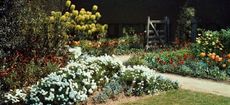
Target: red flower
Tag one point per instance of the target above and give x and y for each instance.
(181, 62)
(171, 61)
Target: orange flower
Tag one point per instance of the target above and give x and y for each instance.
(213, 57)
(216, 58)
(76, 43)
(228, 56)
(202, 54)
(228, 60)
(220, 59)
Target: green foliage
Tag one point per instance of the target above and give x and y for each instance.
(163, 84)
(33, 71)
(25, 29)
(184, 23)
(136, 60)
(224, 36)
(111, 90)
(130, 43)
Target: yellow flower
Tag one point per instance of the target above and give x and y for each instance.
(68, 3)
(63, 18)
(75, 12)
(95, 7)
(98, 15)
(67, 14)
(72, 7)
(89, 13)
(82, 11)
(52, 19)
(87, 17)
(93, 17)
(90, 32)
(77, 27)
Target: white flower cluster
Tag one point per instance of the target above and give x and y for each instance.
(15, 96)
(141, 71)
(138, 79)
(76, 51)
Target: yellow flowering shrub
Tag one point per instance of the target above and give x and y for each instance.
(79, 24)
(209, 42)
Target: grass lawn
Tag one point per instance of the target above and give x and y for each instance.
(183, 97)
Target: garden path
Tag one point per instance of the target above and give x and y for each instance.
(194, 84)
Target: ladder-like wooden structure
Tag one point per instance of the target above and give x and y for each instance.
(157, 33)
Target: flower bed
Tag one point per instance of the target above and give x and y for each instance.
(85, 74)
(182, 62)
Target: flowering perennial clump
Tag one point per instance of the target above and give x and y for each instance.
(141, 80)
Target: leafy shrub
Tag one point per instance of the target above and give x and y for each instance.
(31, 73)
(209, 42)
(111, 90)
(184, 23)
(25, 40)
(224, 36)
(163, 84)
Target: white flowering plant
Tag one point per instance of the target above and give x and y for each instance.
(73, 83)
(16, 96)
(139, 80)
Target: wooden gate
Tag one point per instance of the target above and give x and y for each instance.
(157, 33)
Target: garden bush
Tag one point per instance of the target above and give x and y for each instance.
(111, 90)
(25, 42)
(209, 42)
(140, 80)
(184, 23)
(224, 38)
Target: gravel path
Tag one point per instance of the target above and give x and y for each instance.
(194, 84)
